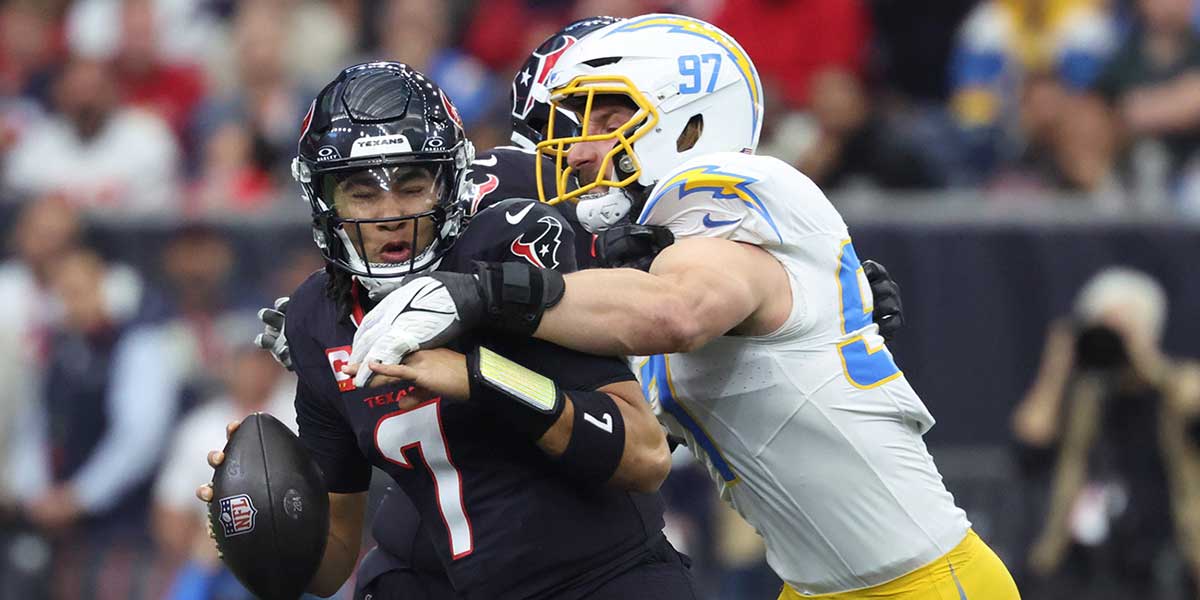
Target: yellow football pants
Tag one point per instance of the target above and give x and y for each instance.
(971, 571)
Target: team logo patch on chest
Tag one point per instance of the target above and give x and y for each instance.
(338, 358)
(237, 515)
(540, 246)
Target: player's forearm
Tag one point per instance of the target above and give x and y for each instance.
(346, 513)
(619, 311)
(646, 461)
(645, 458)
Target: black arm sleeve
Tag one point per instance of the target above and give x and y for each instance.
(330, 441)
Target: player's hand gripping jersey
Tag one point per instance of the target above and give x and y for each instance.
(504, 520)
(812, 431)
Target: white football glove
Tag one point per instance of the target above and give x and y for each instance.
(419, 314)
(272, 338)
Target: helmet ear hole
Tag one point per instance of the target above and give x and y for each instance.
(691, 133)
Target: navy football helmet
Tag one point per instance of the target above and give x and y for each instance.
(530, 101)
(376, 129)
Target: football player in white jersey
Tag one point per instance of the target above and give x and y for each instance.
(755, 324)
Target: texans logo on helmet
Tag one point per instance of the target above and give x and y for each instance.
(450, 110)
(542, 252)
(307, 119)
(237, 515)
(545, 63)
(488, 186)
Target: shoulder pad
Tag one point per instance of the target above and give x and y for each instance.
(726, 195)
(519, 229)
(504, 173)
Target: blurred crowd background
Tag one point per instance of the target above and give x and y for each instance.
(999, 156)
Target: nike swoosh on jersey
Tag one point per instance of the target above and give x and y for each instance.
(710, 222)
(513, 219)
(486, 162)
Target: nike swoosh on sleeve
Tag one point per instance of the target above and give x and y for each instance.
(513, 219)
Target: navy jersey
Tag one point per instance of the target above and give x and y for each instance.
(503, 520)
(509, 172)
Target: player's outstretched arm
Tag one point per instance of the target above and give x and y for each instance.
(697, 289)
(607, 435)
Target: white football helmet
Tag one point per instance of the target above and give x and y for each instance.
(676, 71)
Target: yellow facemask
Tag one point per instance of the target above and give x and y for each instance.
(584, 90)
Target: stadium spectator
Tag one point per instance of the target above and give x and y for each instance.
(26, 66)
(1113, 414)
(26, 49)
(856, 144)
(253, 383)
(107, 401)
(102, 156)
(206, 307)
(1069, 148)
(247, 134)
(794, 41)
(1153, 84)
(184, 29)
(1003, 46)
(146, 78)
(44, 231)
(419, 33)
(318, 38)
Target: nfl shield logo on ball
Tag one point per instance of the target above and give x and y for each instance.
(237, 515)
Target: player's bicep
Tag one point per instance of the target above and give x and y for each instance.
(722, 282)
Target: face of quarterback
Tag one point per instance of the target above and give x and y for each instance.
(387, 193)
(607, 115)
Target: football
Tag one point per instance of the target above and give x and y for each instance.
(270, 509)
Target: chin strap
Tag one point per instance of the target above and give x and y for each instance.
(597, 212)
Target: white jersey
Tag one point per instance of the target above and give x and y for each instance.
(811, 432)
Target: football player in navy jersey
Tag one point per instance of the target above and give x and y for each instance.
(537, 480)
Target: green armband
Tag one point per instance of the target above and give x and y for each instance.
(526, 399)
